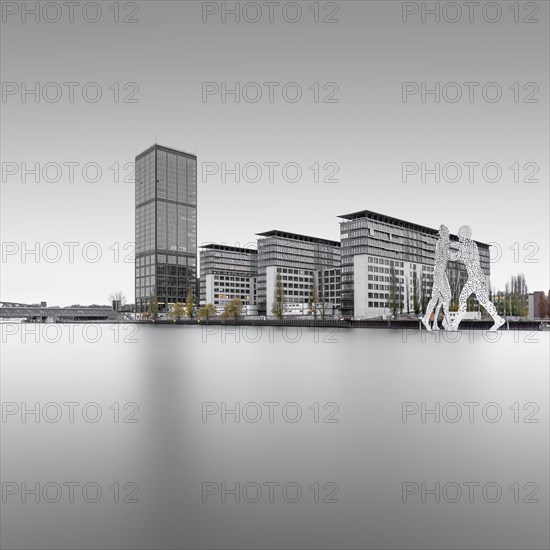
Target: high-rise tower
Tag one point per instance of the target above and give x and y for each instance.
(166, 226)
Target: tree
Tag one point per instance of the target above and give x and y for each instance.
(456, 277)
(424, 290)
(278, 306)
(501, 302)
(233, 309)
(177, 311)
(321, 295)
(190, 304)
(416, 295)
(515, 298)
(207, 311)
(314, 299)
(393, 296)
(521, 293)
(153, 306)
(118, 296)
(407, 294)
(400, 294)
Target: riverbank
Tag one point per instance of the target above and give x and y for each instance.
(364, 323)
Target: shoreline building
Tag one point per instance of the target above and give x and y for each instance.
(166, 226)
(228, 272)
(386, 260)
(537, 305)
(301, 262)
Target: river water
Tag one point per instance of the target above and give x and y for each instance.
(127, 436)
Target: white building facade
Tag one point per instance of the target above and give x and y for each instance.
(227, 273)
(304, 264)
(387, 265)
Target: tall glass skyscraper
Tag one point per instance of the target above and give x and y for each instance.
(166, 226)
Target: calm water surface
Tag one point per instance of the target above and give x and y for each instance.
(187, 437)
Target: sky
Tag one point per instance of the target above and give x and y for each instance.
(345, 101)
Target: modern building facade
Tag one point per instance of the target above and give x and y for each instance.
(302, 263)
(228, 272)
(166, 226)
(388, 261)
(538, 305)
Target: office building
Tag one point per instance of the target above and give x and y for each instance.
(300, 262)
(386, 260)
(226, 273)
(166, 227)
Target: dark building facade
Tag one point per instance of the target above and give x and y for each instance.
(166, 226)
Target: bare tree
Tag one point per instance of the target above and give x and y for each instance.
(118, 295)
(407, 294)
(321, 294)
(278, 306)
(314, 299)
(519, 295)
(417, 306)
(393, 294)
(453, 275)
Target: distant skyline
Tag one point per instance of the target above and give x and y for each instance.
(361, 141)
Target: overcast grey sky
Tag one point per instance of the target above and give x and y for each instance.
(352, 119)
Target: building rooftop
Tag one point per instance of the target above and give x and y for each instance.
(214, 246)
(398, 222)
(297, 237)
(167, 150)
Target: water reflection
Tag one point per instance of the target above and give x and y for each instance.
(348, 389)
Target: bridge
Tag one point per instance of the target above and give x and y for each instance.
(43, 313)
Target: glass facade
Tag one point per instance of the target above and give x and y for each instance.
(166, 226)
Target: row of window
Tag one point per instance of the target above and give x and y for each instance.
(378, 295)
(385, 261)
(231, 296)
(377, 269)
(230, 278)
(294, 271)
(165, 260)
(234, 288)
(384, 287)
(383, 278)
(172, 270)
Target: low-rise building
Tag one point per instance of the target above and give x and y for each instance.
(538, 305)
(228, 272)
(303, 264)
